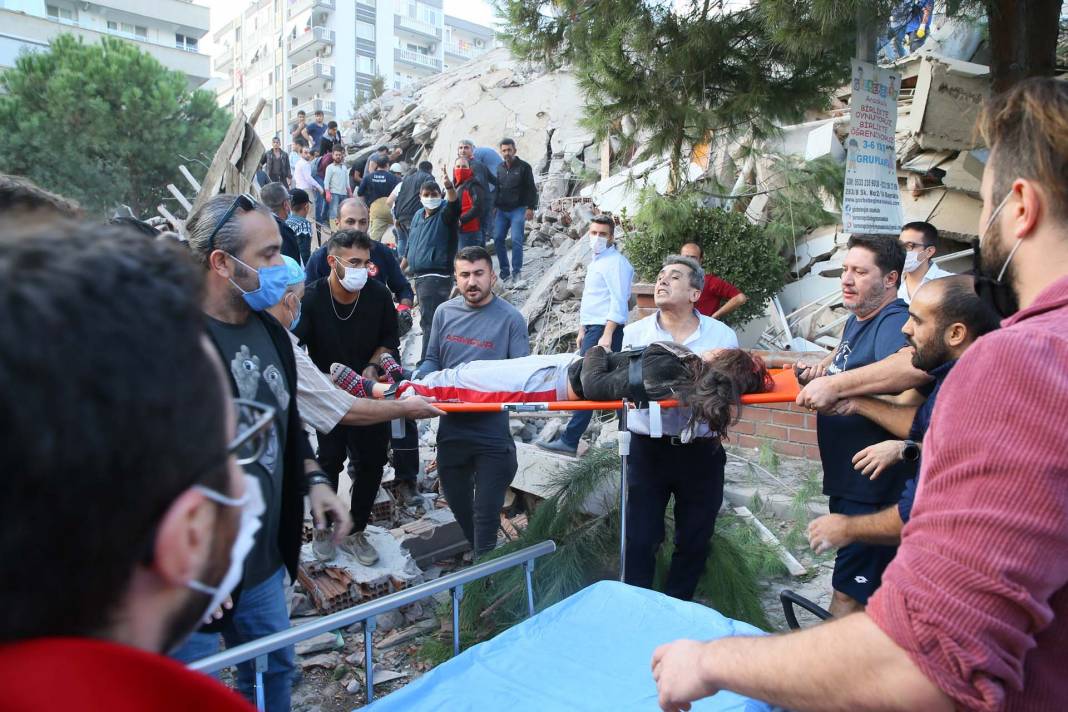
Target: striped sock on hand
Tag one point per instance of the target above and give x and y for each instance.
(351, 382)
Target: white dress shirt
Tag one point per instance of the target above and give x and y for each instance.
(322, 405)
(303, 179)
(709, 334)
(606, 294)
(933, 272)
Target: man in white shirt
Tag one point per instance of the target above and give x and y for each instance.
(303, 177)
(918, 238)
(602, 314)
(686, 464)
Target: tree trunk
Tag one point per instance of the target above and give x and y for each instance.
(1023, 40)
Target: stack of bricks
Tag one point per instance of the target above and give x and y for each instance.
(788, 429)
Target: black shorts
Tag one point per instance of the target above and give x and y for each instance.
(858, 568)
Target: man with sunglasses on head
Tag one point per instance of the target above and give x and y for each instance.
(149, 515)
(237, 242)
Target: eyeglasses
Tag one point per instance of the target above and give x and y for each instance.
(244, 201)
(910, 246)
(253, 426)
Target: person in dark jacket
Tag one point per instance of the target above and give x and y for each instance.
(276, 197)
(472, 203)
(237, 242)
(407, 202)
(517, 199)
(431, 248)
(377, 182)
(276, 163)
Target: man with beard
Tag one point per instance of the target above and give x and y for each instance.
(973, 612)
(476, 454)
(151, 516)
(238, 245)
(945, 318)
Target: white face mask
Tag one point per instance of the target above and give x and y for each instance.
(431, 203)
(598, 244)
(251, 510)
(354, 280)
(912, 261)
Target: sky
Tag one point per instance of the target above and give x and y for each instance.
(222, 11)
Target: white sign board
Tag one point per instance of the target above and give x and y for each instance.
(871, 202)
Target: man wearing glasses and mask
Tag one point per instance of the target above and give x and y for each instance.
(920, 242)
(127, 501)
(238, 244)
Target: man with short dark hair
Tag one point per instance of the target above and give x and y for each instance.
(945, 319)
(377, 182)
(430, 250)
(316, 129)
(299, 142)
(718, 297)
(299, 207)
(330, 140)
(406, 202)
(517, 199)
(349, 319)
(602, 314)
(336, 183)
(239, 246)
(920, 240)
(276, 197)
(299, 129)
(276, 163)
(161, 493)
(476, 454)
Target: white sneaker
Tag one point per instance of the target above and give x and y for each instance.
(358, 546)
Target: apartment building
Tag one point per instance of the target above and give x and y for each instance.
(324, 54)
(169, 30)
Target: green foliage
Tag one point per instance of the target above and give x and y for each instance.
(102, 123)
(734, 249)
(683, 73)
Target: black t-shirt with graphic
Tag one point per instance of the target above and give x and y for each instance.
(254, 364)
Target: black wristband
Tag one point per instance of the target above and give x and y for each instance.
(318, 477)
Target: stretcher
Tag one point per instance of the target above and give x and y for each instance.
(785, 391)
(589, 652)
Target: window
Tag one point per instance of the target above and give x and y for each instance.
(365, 30)
(278, 105)
(61, 13)
(125, 28)
(185, 42)
(365, 65)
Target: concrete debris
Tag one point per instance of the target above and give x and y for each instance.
(408, 634)
(327, 661)
(792, 565)
(433, 537)
(320, 643)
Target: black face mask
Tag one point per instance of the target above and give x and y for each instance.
(997, 294)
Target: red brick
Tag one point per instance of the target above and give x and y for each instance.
(775, 432)
(799, 435)
(746, 441)
(756, 414)
(794, 420)
(744, 427)
(812, 452)
(810, 421)
(788, 449)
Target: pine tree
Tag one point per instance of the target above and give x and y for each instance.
(102, 123)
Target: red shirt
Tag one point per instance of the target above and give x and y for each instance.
(978, 592)
(87, 674)
(716, 292)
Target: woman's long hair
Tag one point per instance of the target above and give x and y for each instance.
(715, 394)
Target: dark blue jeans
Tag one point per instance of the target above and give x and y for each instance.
(581, 419)
(260, 611)
(402, 240)
(509, 219)
(470, 239)
(693, 473)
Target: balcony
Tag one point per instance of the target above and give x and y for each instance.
(311, 76)
(417, 59)
(310, 107)
(418, 27)
(307, 43)
(466, 51)
(222, 63)
(298, 6)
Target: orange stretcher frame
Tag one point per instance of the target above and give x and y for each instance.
(785, 391)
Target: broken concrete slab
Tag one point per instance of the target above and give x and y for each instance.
(320, 643)
(432, 537)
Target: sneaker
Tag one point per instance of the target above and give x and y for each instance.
(558, 446)
(358, 546)
(323, 546)
(408, 494)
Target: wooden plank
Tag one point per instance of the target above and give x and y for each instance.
(179, 224)
(179, 197)
(189, 177)
(213, 179)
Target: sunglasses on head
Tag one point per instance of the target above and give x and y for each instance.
(244, 201)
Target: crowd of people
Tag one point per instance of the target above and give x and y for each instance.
(183, 379)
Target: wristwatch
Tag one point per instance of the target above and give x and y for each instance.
(911, 451)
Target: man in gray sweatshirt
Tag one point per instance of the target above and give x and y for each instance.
(476, 454)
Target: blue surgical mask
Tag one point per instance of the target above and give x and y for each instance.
(296, 319)
(272, 286)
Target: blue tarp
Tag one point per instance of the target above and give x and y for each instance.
(590, 651)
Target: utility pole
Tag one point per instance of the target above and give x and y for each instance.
(866, 49)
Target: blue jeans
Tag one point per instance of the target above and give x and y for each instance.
(581, 419)
(260, 611)
(320, 204)
(334, 205)
(488, 221)
(505, 218)
(402, 240)
(470, 239)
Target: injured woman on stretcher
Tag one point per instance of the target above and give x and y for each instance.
(710, 384)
